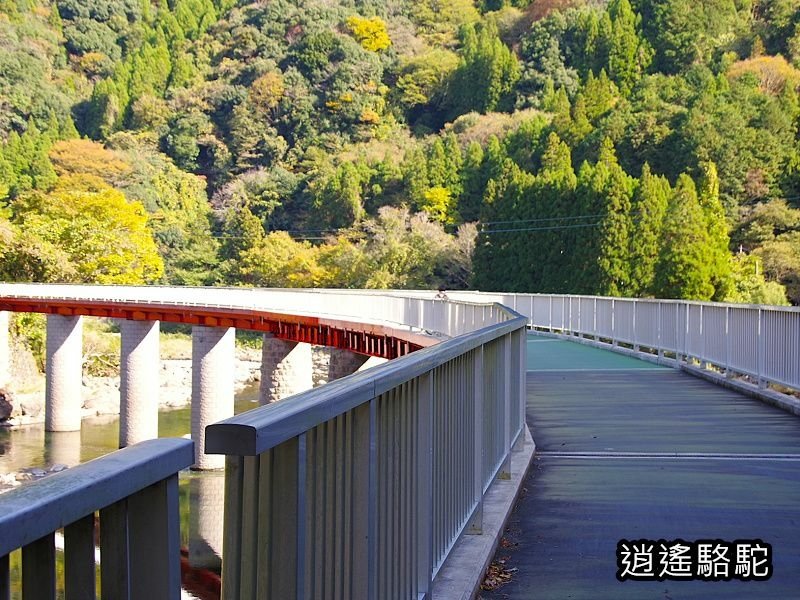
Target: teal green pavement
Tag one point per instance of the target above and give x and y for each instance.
(546, 354)
(626, 449)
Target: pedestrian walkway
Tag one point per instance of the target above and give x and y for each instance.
(629, 450)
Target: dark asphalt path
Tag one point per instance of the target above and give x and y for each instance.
(625, 450)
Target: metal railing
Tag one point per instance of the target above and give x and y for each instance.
(760, 342)
(394, 309)
(360, 488)
(135, 491)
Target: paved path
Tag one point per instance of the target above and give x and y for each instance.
(629, 450)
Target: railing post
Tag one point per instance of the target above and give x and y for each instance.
(703, 361)
(79, 564)
(425, 487)
(232, 536)
(635, 337)
(677, 336)
(594, 324)
(372, 502)
(762, 382)
(5, 578)
(660, 349)
(154, 536)
(505, 469)
(523, 368)
(39, 569)
(728, 370)
(550, 315)
(475, 526)
(302, 491)
(614, 341)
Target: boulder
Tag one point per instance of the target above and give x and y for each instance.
(6, 405)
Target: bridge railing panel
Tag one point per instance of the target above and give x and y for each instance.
(761, 342)
(648, 321)
(605, 318)
(781, 347)
(361, 488)
(135, 491)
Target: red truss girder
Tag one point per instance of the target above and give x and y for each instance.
(363, 338)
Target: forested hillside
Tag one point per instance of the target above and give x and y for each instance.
(631, 147)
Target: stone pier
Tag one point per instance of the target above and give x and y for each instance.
(64, 373)
(5, 351)
(213, 354)
(344, 363)
(206, 508)
(285, 369)
(320, 364)
(139, 384)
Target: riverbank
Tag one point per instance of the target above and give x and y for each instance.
(101, 394)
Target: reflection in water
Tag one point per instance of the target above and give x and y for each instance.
(62, 448)
(206, 504)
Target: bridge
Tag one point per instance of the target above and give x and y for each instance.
(382, 483)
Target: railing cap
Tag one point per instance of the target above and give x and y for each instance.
(260, 429)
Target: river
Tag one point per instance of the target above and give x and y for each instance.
(201, 494)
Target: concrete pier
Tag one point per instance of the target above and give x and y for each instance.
(213, 353)
(139, 384)
(5, 351)
(285, 369)
(64, 373)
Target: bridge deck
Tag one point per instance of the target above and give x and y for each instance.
(629, 450)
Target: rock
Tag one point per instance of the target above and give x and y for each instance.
(6, 405)
(58, 468)
(9, 480)
(38, 472)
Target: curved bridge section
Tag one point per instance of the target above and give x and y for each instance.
(372, 325)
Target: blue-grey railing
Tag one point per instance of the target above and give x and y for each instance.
(360, 488)
(135, 491)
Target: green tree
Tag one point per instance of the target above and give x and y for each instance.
(683, 270)
(649, 207)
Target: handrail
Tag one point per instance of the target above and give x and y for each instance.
(361, 488)
(255, 431)
(136, 491)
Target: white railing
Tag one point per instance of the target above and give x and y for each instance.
(361, 488)
(419, 311)
(135, 491)
(761, 342)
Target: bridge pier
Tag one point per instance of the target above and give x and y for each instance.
(329, 363)
(63, 373)
(344, 363)
(213, 352)
(138, 374)
(5, 351)
(285, 369)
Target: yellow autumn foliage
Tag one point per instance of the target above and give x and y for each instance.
(371, 33)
